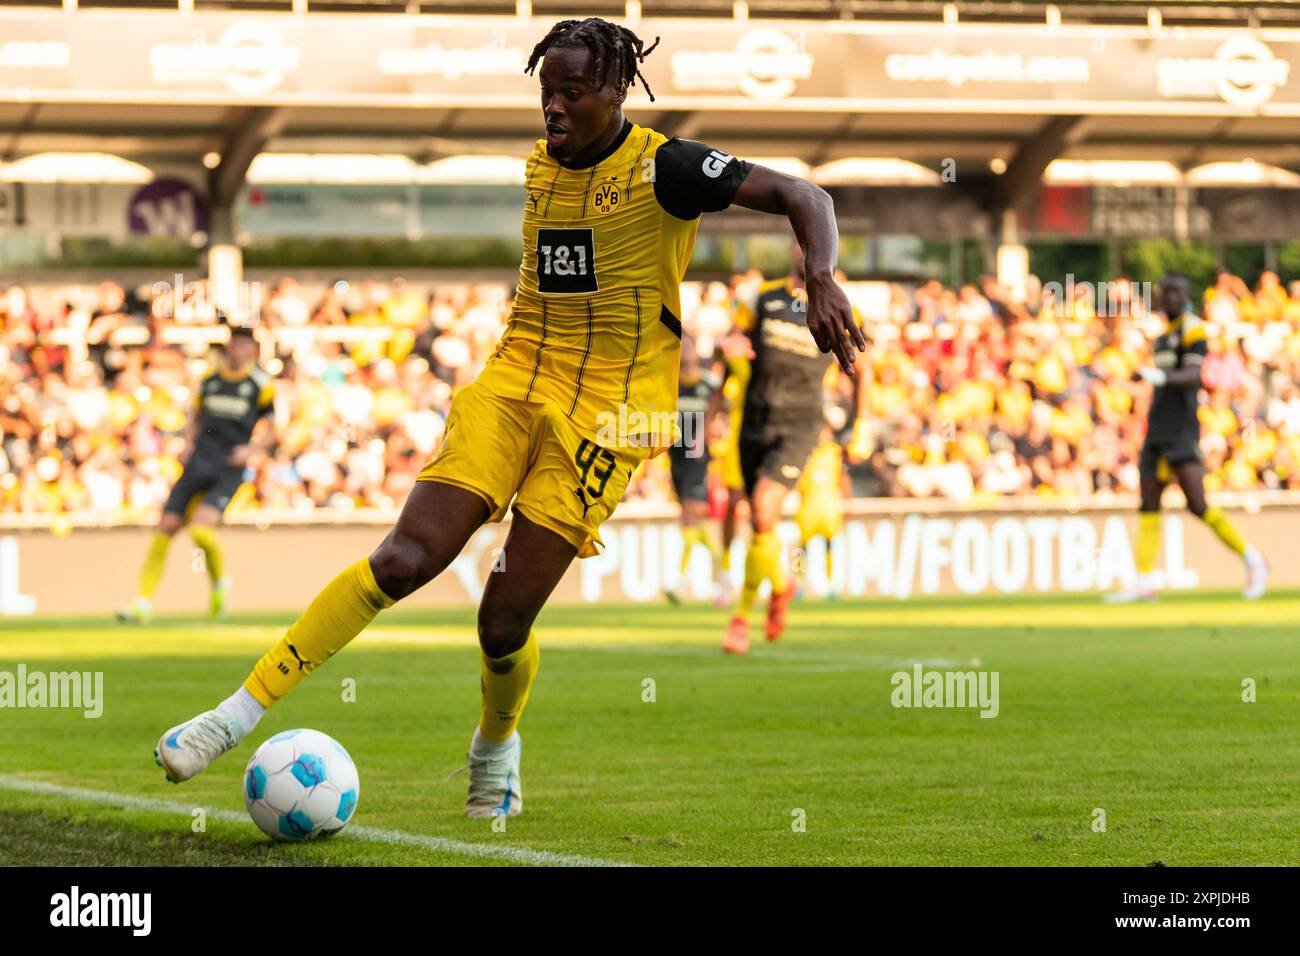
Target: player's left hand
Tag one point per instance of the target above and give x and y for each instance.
(239, 455)
(1154, 376)
(830, 320)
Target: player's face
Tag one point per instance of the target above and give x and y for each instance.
(576, 111)
(1173, 297)
(240, 351)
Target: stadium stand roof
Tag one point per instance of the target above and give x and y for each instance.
(179, 130)
(1173, 12)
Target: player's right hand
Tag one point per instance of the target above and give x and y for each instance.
(831, 322)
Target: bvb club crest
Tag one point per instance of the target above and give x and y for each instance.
(605, 199)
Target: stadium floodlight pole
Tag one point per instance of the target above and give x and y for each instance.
(69, 6)
(523, 8)
(740, 10)
(632, 11)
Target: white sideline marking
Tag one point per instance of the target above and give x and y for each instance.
(511, 854)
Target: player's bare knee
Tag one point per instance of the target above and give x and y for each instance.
(501, 632)
(764, 522)
(400, 567)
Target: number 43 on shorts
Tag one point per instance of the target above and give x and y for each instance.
(595, 467)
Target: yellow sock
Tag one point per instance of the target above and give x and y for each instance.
(775, 569)
(506, 681)
(336, 615)
(1226, 529)
(206, 539)
(690, 537)
(154, 563)
(763, 561)
(1148, 542)
(710, 542)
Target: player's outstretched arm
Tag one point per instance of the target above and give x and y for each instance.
(812, 216)
(1187, 375)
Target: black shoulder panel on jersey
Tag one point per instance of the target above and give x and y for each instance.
(691, 178)
(670, 321)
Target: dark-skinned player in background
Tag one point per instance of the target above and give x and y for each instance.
(1172, 450)
(225, 429)
(610, 216)
(779, 429)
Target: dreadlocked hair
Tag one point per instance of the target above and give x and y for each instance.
(610, 44)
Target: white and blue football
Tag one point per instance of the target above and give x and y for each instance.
(301, 785)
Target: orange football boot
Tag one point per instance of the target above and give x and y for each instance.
(777, 605)
(737, 639)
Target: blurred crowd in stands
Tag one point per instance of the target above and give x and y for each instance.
(975, 395)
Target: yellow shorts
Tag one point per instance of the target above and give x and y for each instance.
(823, 521)
(503, 449)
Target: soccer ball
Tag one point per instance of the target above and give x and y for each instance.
(301, 785)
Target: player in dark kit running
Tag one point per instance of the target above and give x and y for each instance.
(231, 402)
(779, 429)
(1172, 447)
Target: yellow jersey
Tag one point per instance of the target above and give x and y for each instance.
(595, 325)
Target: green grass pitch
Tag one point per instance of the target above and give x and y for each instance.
(1136, 711)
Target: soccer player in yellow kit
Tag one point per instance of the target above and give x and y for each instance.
(737, 353)
(822, 489)
(566, 407)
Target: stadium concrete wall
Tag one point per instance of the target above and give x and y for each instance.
(885, 551)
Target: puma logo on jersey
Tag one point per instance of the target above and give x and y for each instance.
(586, 505)
(715, 163)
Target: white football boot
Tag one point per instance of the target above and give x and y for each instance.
(219, 601)
(1256, 575)
(494, 786)
(1142, 590)
(139, 611)
(188, 748)
(724, 595)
